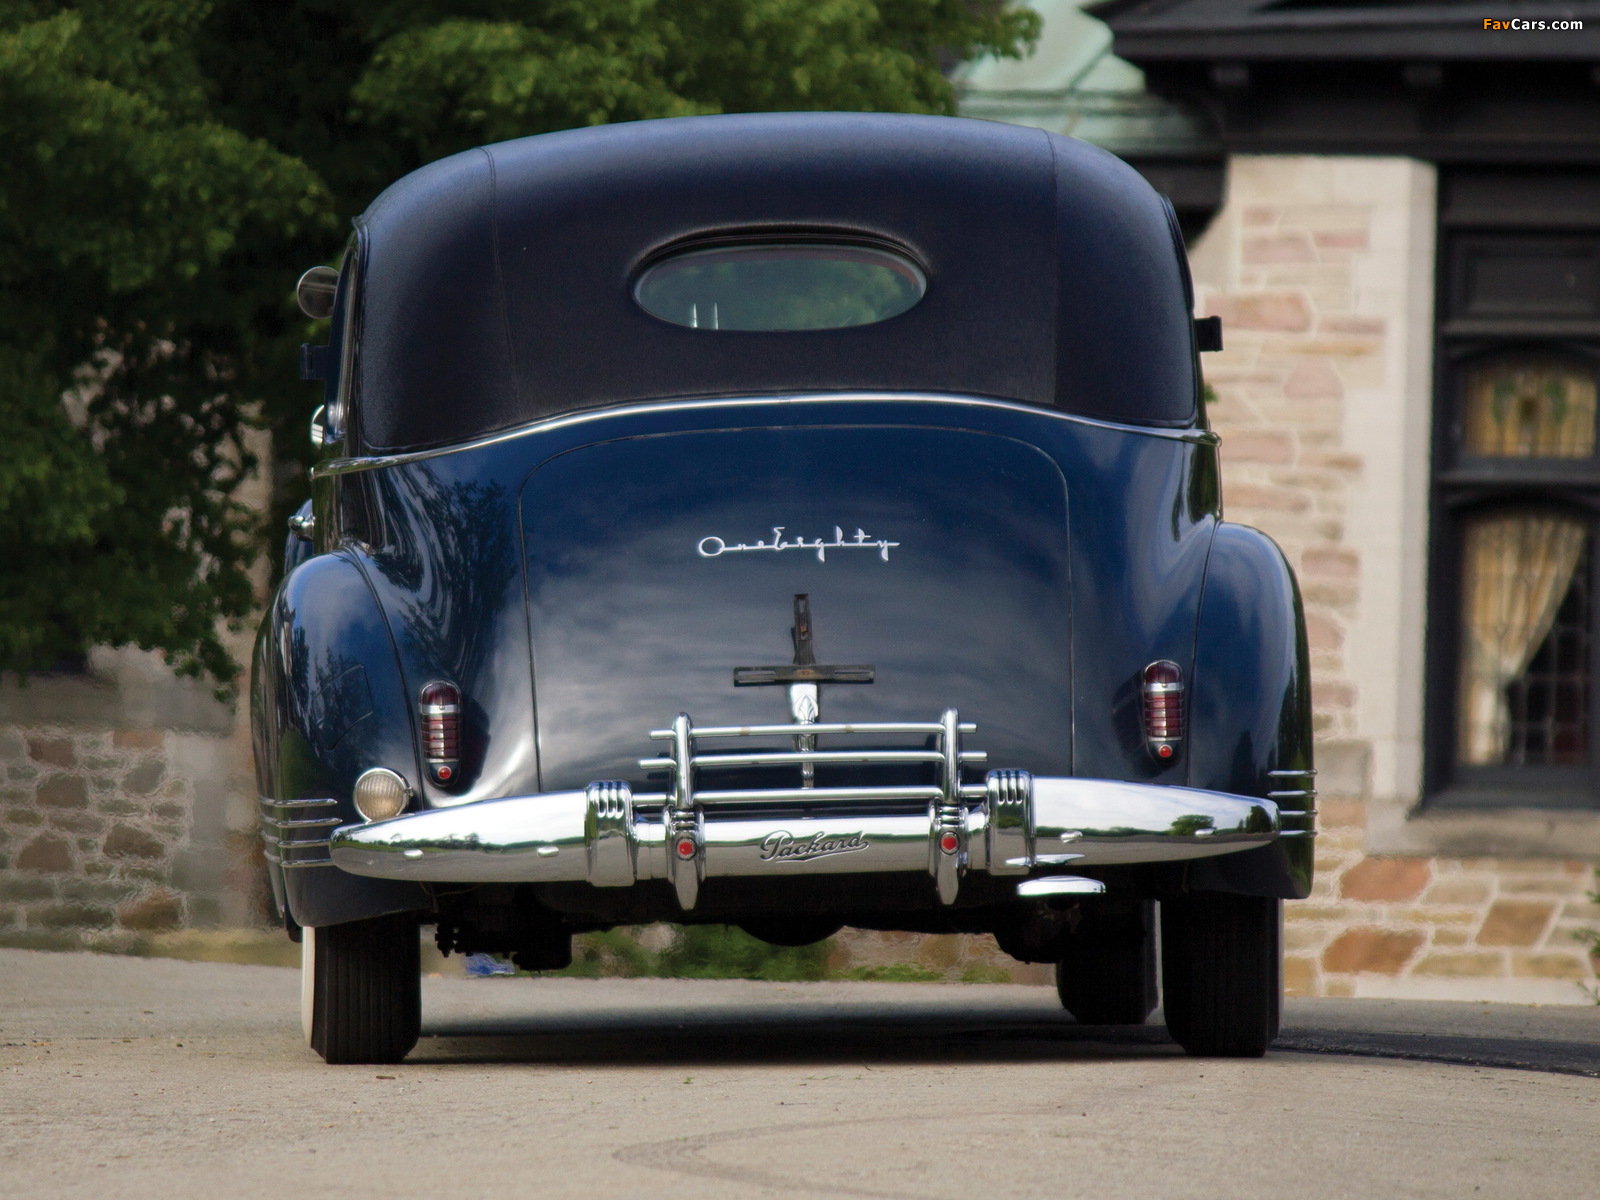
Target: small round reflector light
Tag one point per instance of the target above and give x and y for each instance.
(686, 847)
(949, 842)
(381, 794)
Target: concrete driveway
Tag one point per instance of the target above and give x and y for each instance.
(155, 1078)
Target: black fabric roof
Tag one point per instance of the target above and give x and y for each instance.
(497, 285)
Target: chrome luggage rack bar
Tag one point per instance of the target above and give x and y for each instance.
(1012, 824)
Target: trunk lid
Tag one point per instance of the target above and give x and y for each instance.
(658, 565)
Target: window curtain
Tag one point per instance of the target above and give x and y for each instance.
(1517, 568)
(1517, 564)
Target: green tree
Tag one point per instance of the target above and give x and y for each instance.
(130, 223)
(171, 165)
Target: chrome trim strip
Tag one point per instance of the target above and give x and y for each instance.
(264, 802)
(809, 796)
(283, 830)
(724, 731)
(343, 466)
(779, 758)
(1286, 773)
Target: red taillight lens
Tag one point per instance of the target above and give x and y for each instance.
(439, 706)
(1163, 709)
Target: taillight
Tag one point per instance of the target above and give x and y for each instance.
(439, 706)
(1163, 710)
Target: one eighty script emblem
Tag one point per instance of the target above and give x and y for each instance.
(715, 547)
(782, 846)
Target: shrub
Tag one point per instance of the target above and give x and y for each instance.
(696, 952)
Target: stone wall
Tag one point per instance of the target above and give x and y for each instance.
(1438, 928)
(91, 825)
(112, 831)
(1322, 272)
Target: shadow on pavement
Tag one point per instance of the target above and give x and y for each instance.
(627, 1038)
(699, 1038)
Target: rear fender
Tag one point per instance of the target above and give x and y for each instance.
(1250, 707)
(338, 708)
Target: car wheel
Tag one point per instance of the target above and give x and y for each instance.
(1222, 972)
(361, 989)
(1106, 974)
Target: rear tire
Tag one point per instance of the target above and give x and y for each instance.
(1222, 972)
(361, 989)
(1106, 974)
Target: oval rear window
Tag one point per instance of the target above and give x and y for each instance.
(778, 286)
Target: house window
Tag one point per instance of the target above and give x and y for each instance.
(1514, 694)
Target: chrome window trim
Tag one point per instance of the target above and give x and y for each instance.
(344, 466)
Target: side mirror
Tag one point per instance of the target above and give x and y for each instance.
(315, 292)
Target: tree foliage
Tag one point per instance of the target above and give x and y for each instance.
(171, 165)
(129, 221)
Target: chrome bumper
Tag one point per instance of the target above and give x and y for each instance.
(1011, 824)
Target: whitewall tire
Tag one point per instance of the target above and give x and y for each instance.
(308, 978)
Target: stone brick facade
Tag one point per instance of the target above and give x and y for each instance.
(89, 826)
(110, 835)
(1322, 271)
(1440, 927)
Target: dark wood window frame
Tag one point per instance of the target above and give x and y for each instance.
(1482, 214)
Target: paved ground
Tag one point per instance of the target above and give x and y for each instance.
(155, 1078)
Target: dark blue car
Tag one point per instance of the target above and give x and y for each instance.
(788, 521)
